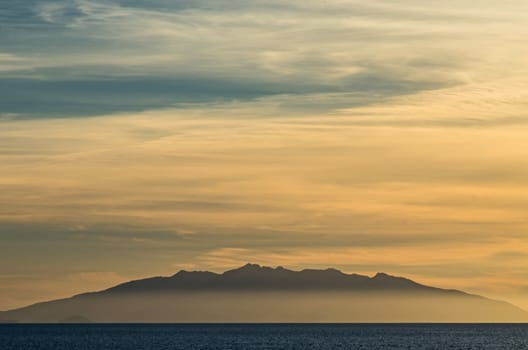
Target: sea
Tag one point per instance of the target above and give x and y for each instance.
(262, 336)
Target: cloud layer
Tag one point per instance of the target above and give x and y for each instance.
(70, 58)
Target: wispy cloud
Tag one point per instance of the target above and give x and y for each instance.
(375, 50)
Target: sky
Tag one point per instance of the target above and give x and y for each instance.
(141, 137)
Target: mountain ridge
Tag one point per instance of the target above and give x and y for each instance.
(256, 277)
(254, 293)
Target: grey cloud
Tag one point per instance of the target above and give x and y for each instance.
(41, 17)
(403, 10)
(510, 255)
(204, 238)
(93, 97)
(144, 205)
(32, 98)
(93, 58)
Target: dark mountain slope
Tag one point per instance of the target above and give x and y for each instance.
(253, 277)
(262, 294)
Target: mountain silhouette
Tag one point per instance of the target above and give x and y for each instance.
(253, 277)
(254, 293)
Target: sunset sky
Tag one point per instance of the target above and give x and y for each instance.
(141, 137)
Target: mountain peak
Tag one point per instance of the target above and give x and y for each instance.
(382, 275)
(250, 266)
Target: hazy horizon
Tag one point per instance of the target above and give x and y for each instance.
(139, 138)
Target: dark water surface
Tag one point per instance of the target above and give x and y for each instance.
(264, 336)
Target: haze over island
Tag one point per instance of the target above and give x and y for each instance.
(141, 137)
(256, 294)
